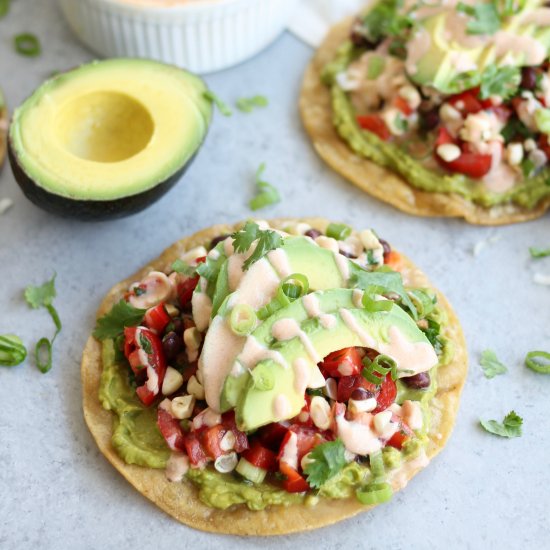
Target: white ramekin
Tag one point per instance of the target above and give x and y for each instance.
(199, 35)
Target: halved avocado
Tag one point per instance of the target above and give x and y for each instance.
(109, 138)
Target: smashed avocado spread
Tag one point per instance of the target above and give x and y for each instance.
(449, 101)
(328, 373)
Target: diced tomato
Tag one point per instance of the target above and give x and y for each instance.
(241, 439)
(304, 418)
(261, 457)
(394, 260)
(473, 165)
(387, 395)
(156, 318)
(185, 290)
(272, 435)
(400, 104)
(139, 343)
(398, 439)
(171, 430)
(210, 439)
(347, 384)
(468, 102)
(194, 450)
(345, 362)
(294, 482)
(306, 440)
(374, 124)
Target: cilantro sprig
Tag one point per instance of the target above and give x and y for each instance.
(327, 460)
(113, 323)
(484, 17)
(267, 240)
(268, 193)
(490, 364)
(224, 109)
(42, 297)
(387, 19)
(509, 427)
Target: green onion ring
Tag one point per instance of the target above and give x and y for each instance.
(375, 493)
(377, 370)
(243, 320)
(27, 44)
(44, 346)
(12, 350)
(538, 366)
(290, 288)
(338, 231)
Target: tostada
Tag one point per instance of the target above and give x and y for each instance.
(438, 108)
(267, 378)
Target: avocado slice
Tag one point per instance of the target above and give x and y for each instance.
(276, 392)
(108, 138)
(3, 127)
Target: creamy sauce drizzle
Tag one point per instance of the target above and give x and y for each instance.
(253, 352)
(202, 310)
(281, 407)
(279, 260)
(286, 329)
(342, 263)
(358, 438)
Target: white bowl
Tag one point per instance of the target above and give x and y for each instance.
(200, 35)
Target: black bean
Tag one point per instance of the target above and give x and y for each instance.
(386, 246)
(418, 381)
(172, 344)
(217, 240)
(429, 120)
(177, 325)
(347, 254)
(360, 394)
(528, 78)
(358, 36)
(313, 233)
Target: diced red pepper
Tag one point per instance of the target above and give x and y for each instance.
(261, 457)
(468, 102)
(171, 430)
(347, 385)
(544, 145)
(374, 124)
(345, 362)
(272, 435)
(387, 394)
(294, 482)
(398, 439)
(140, 342)
(156, 318)
(210, 439)
(400, 104)
(194, 450)
(185, 290)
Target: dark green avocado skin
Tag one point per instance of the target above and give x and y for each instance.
(89, 210)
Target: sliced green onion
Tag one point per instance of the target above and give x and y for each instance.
(43, 355)
(250, 472)
(424, 303)
(243, 320)
(213, 98)
(338, 231)
(371, 304)
(375, 493)
(27, 44)
(377, 370)
(262, 376)
(533, 361)
(12, 350)
(290, 288)
(4, 8)
(246, 104)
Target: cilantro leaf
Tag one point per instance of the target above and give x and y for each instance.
(267, 240)
(515, 127)
(484, 17)
(539, 252)
(121, 315)
(41, 296)
(490, 364)
(387, 19)
(222, 106)
(510, 426)
(327, 460)
(268, 193)
(247, 104)
(500, 81)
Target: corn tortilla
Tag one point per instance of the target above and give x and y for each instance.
(316, 112)
(180, 500)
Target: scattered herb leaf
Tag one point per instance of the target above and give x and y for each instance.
(222, 107)
(267, 240)
(491, 365)
(387, 19)
(499, 81)
(484, 17)
(510, 426)
(121, 315)
(327, 460)
(41, 296)
(539, 252)
(268, 193)
(247, 104)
